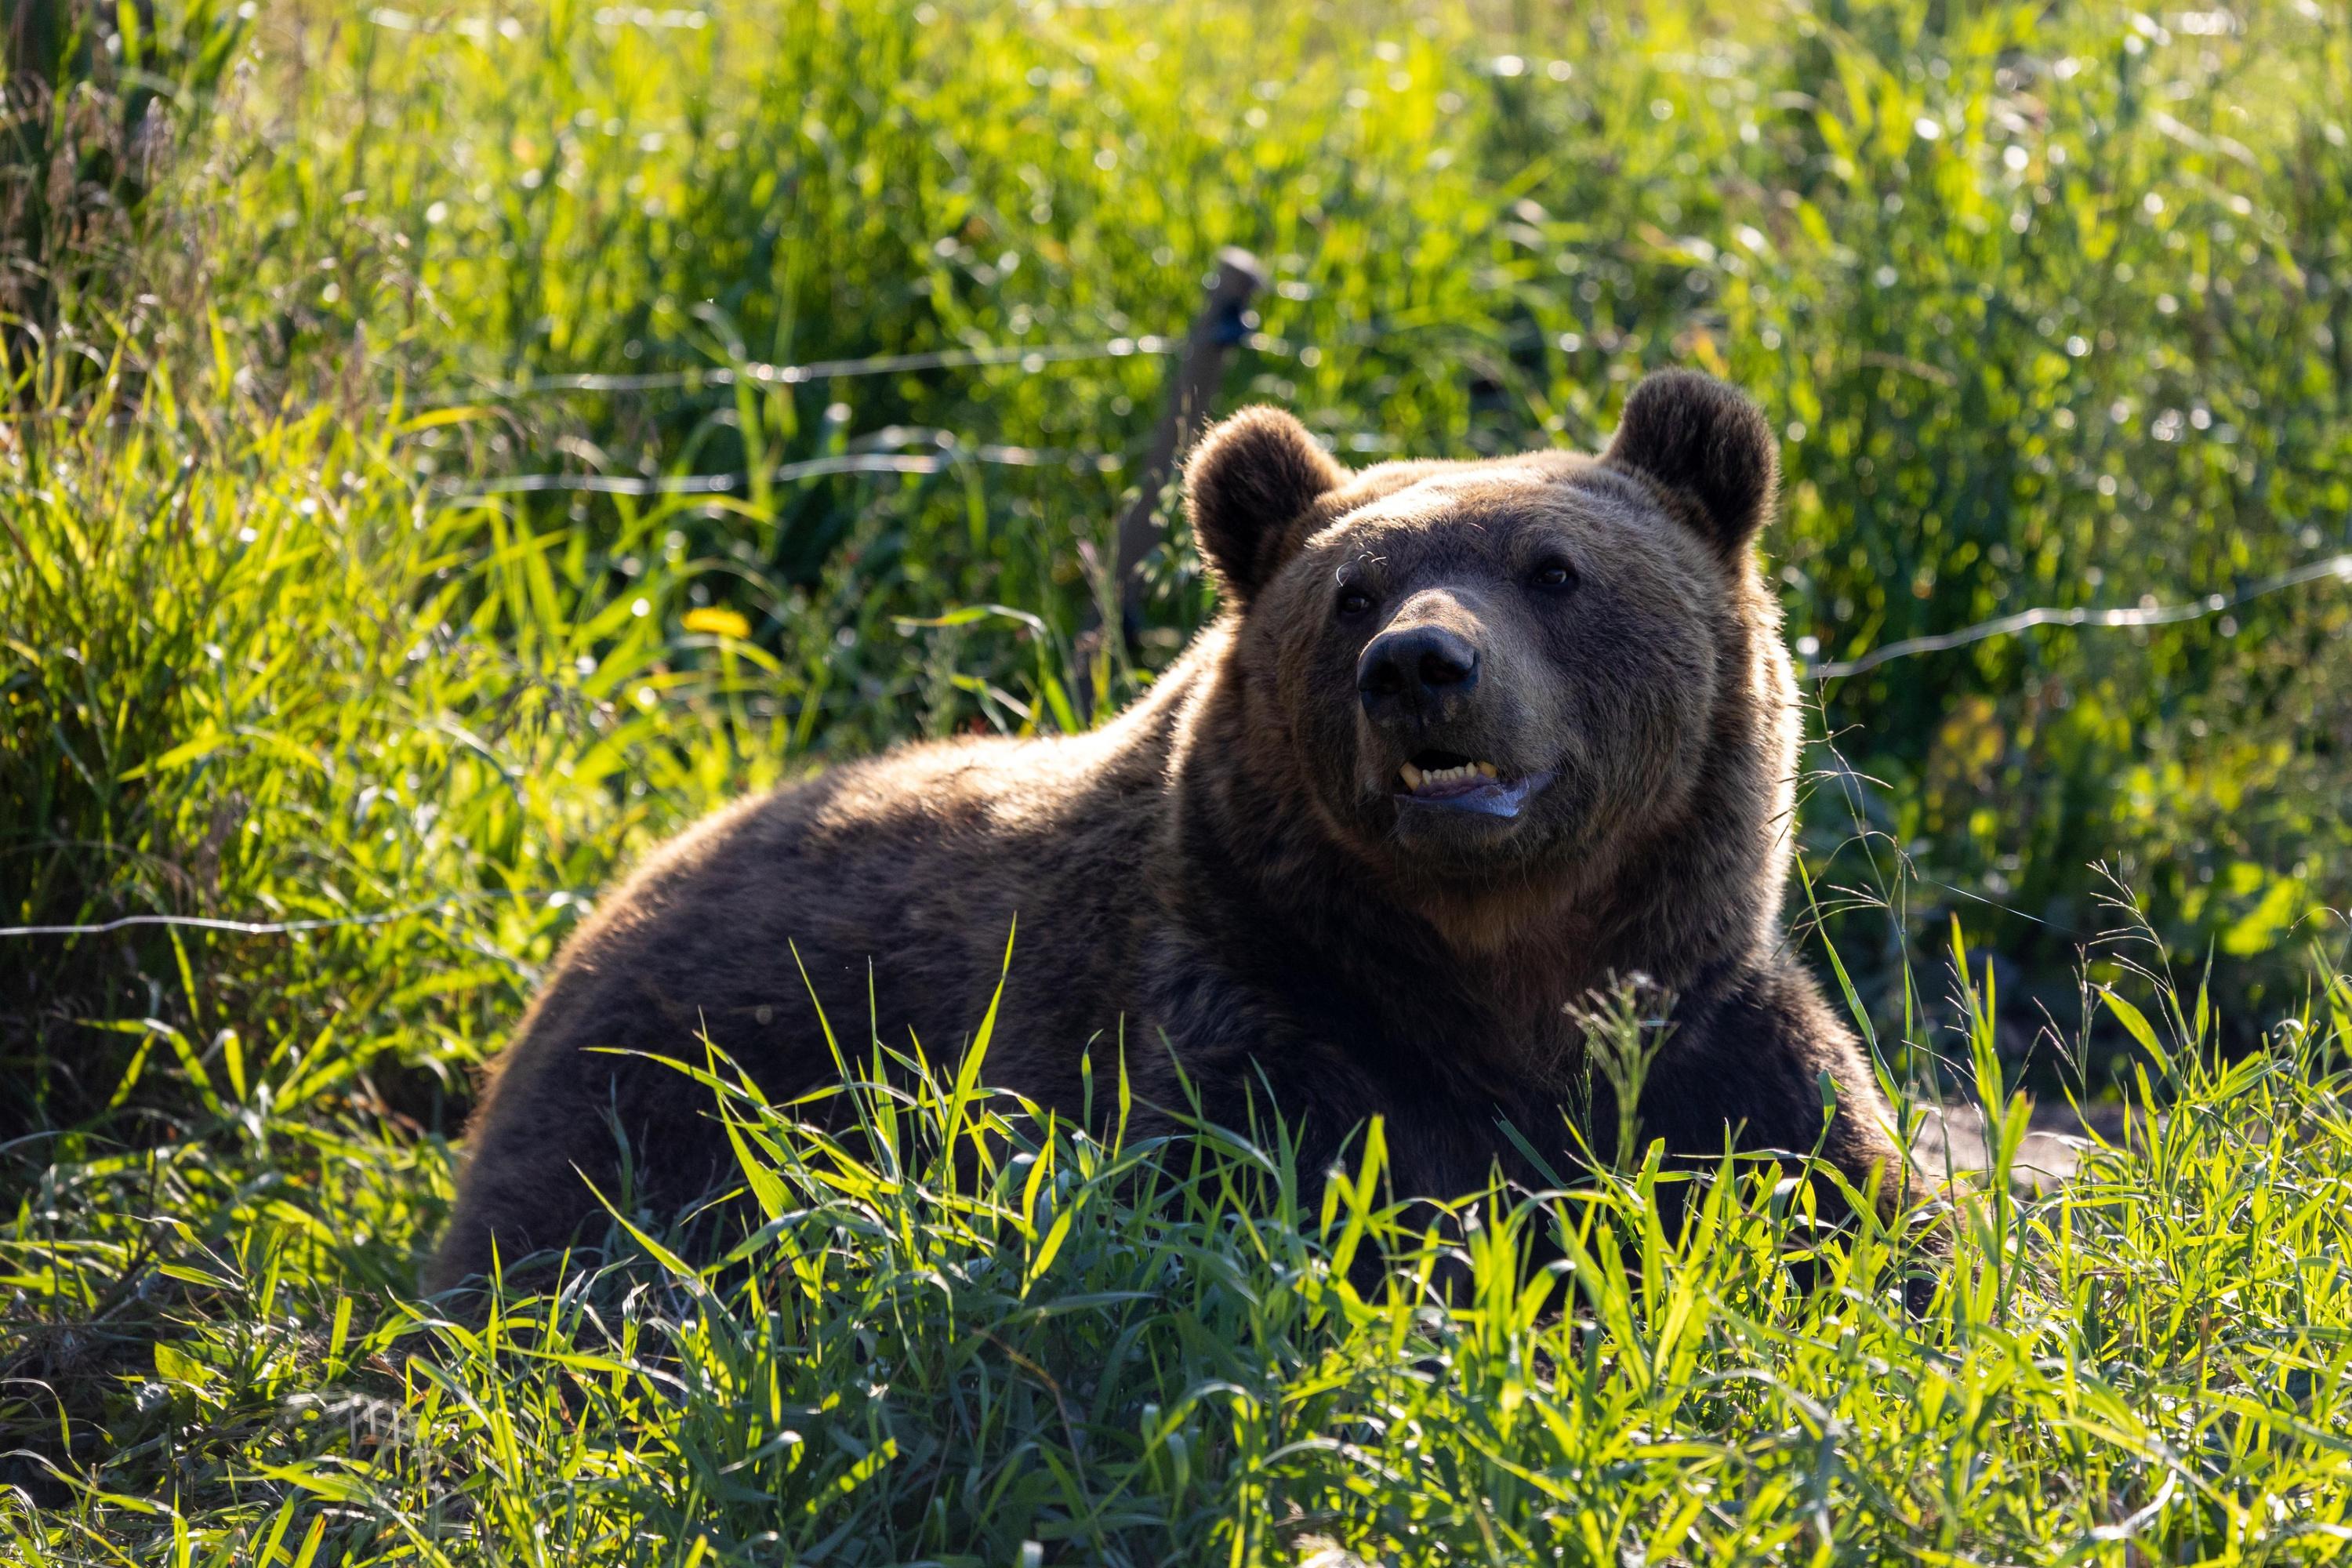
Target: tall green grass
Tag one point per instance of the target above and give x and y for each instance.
(967, 1333)
(2051, 305)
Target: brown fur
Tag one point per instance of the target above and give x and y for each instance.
(1225, 867)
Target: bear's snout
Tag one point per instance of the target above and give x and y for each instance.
(1415, 674)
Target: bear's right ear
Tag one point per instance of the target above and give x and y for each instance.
(1244, 484)
(1694, 434)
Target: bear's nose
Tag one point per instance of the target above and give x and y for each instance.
(1414, 669)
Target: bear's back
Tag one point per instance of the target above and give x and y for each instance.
(872, 902)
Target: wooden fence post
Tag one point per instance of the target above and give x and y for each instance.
(1220, 326)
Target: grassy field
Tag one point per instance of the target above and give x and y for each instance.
(443, 450)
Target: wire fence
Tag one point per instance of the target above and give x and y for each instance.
(447, 903)
(1031, 358)
(868, 454)
(949, 454)
(949, 449)
(2336, 566)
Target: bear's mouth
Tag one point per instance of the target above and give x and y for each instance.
(1453, 781)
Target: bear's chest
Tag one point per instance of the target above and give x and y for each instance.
(1456, 1059)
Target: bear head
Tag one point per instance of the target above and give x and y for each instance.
(1505, 669)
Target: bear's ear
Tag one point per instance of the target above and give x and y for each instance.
(1247, 480)
(1693, 434)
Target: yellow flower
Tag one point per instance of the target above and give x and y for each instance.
(721, 623)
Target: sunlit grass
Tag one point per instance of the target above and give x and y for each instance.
(961, 1331)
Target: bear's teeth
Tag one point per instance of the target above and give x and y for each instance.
(1419, 779)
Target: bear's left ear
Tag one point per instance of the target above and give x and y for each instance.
(1244, 484)
(1693, 434)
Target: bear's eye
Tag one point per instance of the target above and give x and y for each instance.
(1553, 575)
(1354, 600)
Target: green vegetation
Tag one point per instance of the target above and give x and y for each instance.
(1049, 1349)
(2055, 306)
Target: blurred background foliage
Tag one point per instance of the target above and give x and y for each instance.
(2050, 303)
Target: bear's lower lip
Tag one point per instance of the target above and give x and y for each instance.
(1483, 796)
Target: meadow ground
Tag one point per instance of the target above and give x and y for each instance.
(443, 450)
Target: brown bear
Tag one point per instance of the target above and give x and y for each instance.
(1470, 741)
